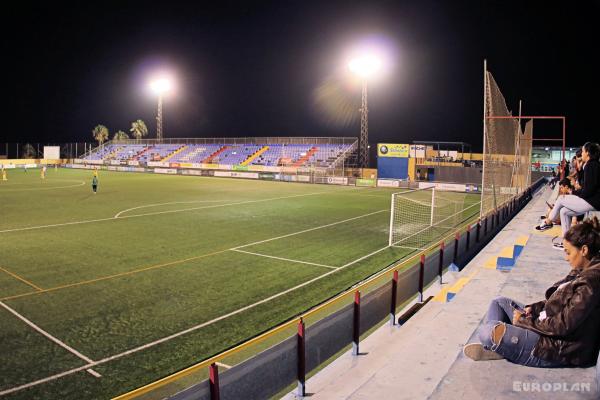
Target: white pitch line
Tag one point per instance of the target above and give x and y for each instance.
(307, 230)
(52, 338)
(157, 213)
(191, 329)
(42, 188)
(284, 259)
(165, 204)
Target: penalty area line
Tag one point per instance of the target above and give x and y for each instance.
(53, 339)
(284, 259)
(186, 331)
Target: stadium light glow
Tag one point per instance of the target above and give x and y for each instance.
(162, 85)
(365, 66)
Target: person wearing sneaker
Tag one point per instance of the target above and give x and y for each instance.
(564, 187)
(583, 200)
(561, 331)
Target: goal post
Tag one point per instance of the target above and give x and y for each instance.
(419, 217)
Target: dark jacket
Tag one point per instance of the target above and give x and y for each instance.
(590, 190)
(570, 333)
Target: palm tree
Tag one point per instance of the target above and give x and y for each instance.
(139, 129)
(120, 135)
(100, 133)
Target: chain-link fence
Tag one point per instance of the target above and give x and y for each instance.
(36, 149)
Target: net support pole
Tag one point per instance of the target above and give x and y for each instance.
(432, 205)
(301, 359)
(481, 211)
(390, 243)
(394, 298)
(356, 324)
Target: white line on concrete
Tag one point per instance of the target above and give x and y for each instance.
(284, 259)
(52, 338)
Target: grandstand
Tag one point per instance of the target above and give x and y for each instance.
(271, 152)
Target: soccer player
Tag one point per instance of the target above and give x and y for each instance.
(4, 178)
(95, 184)
(43, 173)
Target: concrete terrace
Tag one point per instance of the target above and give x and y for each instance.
(423, 358)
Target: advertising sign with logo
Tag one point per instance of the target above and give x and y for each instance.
(392, 150)
(417, 150)
(365, 182)
(334, 180)
(165, 171)
(387, 183)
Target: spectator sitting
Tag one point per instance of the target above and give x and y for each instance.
(561, 331)
(564, 188)
(581, 201)
(554, 179)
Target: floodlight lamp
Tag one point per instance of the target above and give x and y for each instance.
(161, 85)
(365, 66)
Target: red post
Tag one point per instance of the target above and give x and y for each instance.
(356, 324)
(394, 298)
(421, 277)
(214, 381)
(441, 262)
(301, 359)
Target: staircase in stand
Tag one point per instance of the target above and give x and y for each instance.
(113, 153)
(252, 157)
(209, 159)
(179, 150)
(305, 157)
(140, 153)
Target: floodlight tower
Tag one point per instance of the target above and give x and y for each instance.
(364, 66)
(160, 87)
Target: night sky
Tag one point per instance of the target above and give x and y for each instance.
(276, 68)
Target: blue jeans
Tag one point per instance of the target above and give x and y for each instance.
(517, 344)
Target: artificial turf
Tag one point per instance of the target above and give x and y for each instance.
(151, 255)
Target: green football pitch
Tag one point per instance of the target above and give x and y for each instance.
(155, 273)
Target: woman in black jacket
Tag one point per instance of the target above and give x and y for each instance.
(561, 331)
(583, 200)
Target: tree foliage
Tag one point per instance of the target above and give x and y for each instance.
(139, 129)
(120, 135)
(100, 133)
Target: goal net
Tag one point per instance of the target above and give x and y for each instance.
(420, 217)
